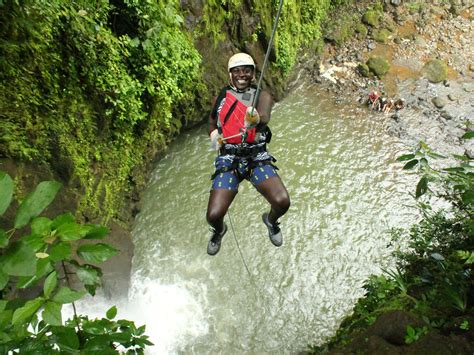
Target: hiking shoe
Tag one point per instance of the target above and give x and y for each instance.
(274, 232)
(215, 242)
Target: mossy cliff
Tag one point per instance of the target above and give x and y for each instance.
(92, 92)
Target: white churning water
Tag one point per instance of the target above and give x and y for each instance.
(347, 191)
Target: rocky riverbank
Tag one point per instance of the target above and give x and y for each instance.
(405, 38)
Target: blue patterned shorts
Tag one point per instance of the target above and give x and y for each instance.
(230, 179)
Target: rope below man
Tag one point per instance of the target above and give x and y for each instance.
(238, 130)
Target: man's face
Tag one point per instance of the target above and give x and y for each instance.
(242, 76)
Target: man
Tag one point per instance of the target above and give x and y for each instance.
(239, 131)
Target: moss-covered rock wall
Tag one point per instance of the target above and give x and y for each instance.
(94, 91)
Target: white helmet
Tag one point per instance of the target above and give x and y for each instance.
(240, 59)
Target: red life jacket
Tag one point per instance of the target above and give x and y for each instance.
(231, 118)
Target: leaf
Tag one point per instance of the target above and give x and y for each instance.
(135, 42)
(67, 338)
(468, 135)
(111, 313)
(406, 157)
(66, 295)
(6, 191)
(421, 187)
(43, 267)
(468, 197)
(91, 289)
(6, 318)
(96, 253)
(22, 314)
(19, 260)
(50, 284)
(34, 241)
(97, 232)
(41, 226)
(89, 275)
(3, 238)
(36, 201)
(52, 313)
(3, 279)
(72, 231)
(60, 251)
(410, 164)
(62, 219)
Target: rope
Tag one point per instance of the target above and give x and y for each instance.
(238, 246)
(267, 54)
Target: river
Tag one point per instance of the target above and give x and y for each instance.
(339, 167)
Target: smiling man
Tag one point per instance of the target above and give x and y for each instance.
(239, 131)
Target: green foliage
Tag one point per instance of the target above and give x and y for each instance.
(381, 35)
(414, 334)
(44, 256)
(93, 88)
(371, 18)
(299, 25)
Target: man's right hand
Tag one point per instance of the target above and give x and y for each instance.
(216, 139)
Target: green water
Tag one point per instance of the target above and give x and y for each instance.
(338, 165)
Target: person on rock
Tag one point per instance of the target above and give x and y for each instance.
(389, 105)
(238, 130)
(373, 98)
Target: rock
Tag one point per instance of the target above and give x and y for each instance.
(434, 343)
(469, 153)
(392, 326)
(363, 70)
(397, 40)
(381, 36)
(446, 115)
(439, 102)
(471, 67)
(378, 65)
(435, 70)
(451, 97)
(361, 30)
(371, 45)
(371, 18)
(396, 2)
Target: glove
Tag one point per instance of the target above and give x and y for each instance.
(216, 139)
(252, 118)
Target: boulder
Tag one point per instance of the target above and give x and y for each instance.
(392, 326)
(361, 30)
(363, 69)
(371, 18)
(435, 71)
(378, 65)
(381, 36)
(439, 102)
